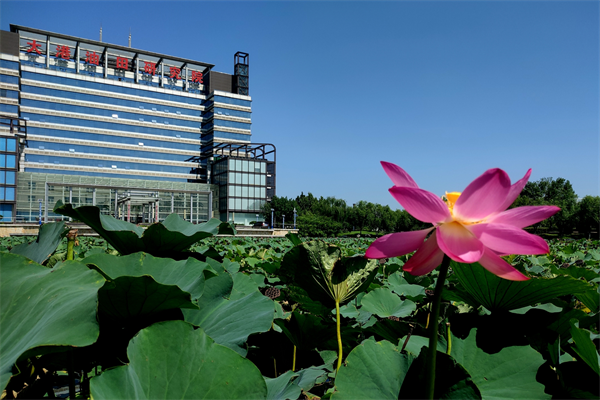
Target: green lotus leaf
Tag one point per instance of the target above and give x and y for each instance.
(508, 374)
(40, 306)
(400, 286)
(48, 239)
(383, 303)
(584, 346)
(228, 315)
(168, 238)
(416, 343)
(497, 294)
(172, 360)
(373, 370)
(282, 387)
(188, 275)
(320, 269)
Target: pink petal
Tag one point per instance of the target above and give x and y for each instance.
(421, 204)
(397, 244)
(514, 191)
(507, 239)
(499, 267)
(483, 196)
(398, 175)
(459, 243)
(521, 217)
(426, 259)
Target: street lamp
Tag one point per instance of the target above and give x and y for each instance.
(272, 209)
(294, 217)
(283, 223)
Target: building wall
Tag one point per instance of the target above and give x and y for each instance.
(108, 116)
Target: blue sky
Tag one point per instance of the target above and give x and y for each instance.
(446, 90)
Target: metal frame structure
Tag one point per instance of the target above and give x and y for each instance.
(129, 190)
(241, 62)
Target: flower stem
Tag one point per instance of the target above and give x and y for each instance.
(339, 335)
(294, 362)
(449, 334)
(71, 239)
(433, 326)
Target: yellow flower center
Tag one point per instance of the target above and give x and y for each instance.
(451, 200)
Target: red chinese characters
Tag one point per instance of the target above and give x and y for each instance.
(149, 67)
(92, 58)
(175, 72)
(122, 63)
(197, 76)
(34, 47)
(63, 52)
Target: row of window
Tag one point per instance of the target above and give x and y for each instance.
(111, 139)
(230, 100)
(105, 175)
(7, 108)
(245, 204)
(112, 88)
(247, 166)
(114, 126)
(7, 177)
(247, 191)
(115, 74)
(216, 135)
(9, 94)
(231, 124)
(6, 211)
(246, 179)
(7, 193)
(108, 113)
(119, 165)
(13, 80)
(109, 100)
(8, 161)
(9, 64)
(232, 113)
(8, 144)
(74, 148)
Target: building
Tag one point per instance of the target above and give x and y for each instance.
(136, 133)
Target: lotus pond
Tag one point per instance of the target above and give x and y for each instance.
(174, 312)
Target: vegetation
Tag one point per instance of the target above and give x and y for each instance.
(328, 216)
(240, 318)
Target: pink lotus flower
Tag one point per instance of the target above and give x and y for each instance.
(472, 226)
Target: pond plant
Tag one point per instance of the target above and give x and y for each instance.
(183, 311)
(468, 227)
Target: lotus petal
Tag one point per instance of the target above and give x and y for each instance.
(459, 243)
(421, 204)
(397, 244)
(483, 196)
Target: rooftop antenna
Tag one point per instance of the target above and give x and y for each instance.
(129, 37)
(100, 32)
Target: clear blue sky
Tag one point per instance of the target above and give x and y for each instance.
(446, 89)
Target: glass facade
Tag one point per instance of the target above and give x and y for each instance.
(192, 201)
(8, 178)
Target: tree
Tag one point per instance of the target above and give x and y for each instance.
(548, 191)
(588, 216)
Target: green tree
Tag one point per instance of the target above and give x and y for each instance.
(588, 216)
(558, 192)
